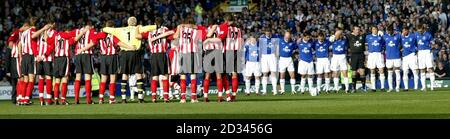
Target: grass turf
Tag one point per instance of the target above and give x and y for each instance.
(412, 104)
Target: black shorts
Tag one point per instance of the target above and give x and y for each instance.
(190, 63)
(130, 62)
(44, 68)
(357, 61)
(15, 68)
(109, 64)
(158, 64)
(84, 64)
(174, 78)
(231, 62)
(61, 67)
(28, 65)
(213, 61)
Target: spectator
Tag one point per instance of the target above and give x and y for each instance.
(441, 71)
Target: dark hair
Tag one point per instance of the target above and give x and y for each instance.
(188, 19)
(306, 34)
(373, 26)
(211, 21)
(406, 27)
(420, 26)
(390, 28)
(51, 19)
(320, 34)
(67, 27)
(32, 21)
(287, 31)
(110, 23)
(158, 21)
(227, 17)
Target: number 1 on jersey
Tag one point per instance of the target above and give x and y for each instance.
(129, 36)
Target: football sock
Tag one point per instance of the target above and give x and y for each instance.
(310, 84)
(432, 78)
(123, 89)
(112, 91)
(302, 85)
(154, 86)
(390, 79)
(405, 79)
(88, 91)
(423, 78)
(247, 86)
(346, 83)
(165, 84)
(48, 89)
(183, 88)
(193, 89)
(77, 90)
(235, 84)
(372, 81)
(102, 89)
(264, 84)
(56, 92)
(319, 83)
(292, 84)
(219, 87)
(140, 88)
(205, 88)
(282, 84)
(416, 79)
(64, 92)
(274, 84)
(336, 83)
(41, 89)
(257, 83)
(397, 79)
(382, 80)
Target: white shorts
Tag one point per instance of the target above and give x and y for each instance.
(393, 63)
(252, 68)
(375, 60)
(338, 63)
(268, 63)
(322, 65)
(425, 59)
(305, 67)
(409, 62)
(285, 63)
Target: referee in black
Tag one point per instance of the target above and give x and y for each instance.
(356, 41)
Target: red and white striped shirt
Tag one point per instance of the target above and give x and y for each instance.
(107, 43)
(234, 39)
(216, 34)
(189, 39)
(158, 46)
(28, 44)
(87, 38)
(60, 45)
(15, 39)
(43, 45)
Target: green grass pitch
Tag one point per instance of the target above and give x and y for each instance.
(412, 104)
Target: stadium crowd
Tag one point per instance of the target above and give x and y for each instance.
(278, 15)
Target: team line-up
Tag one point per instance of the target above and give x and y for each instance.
(46, 53)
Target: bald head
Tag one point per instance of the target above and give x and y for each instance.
(132, 21)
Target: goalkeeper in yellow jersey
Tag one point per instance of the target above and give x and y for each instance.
(130, 61)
